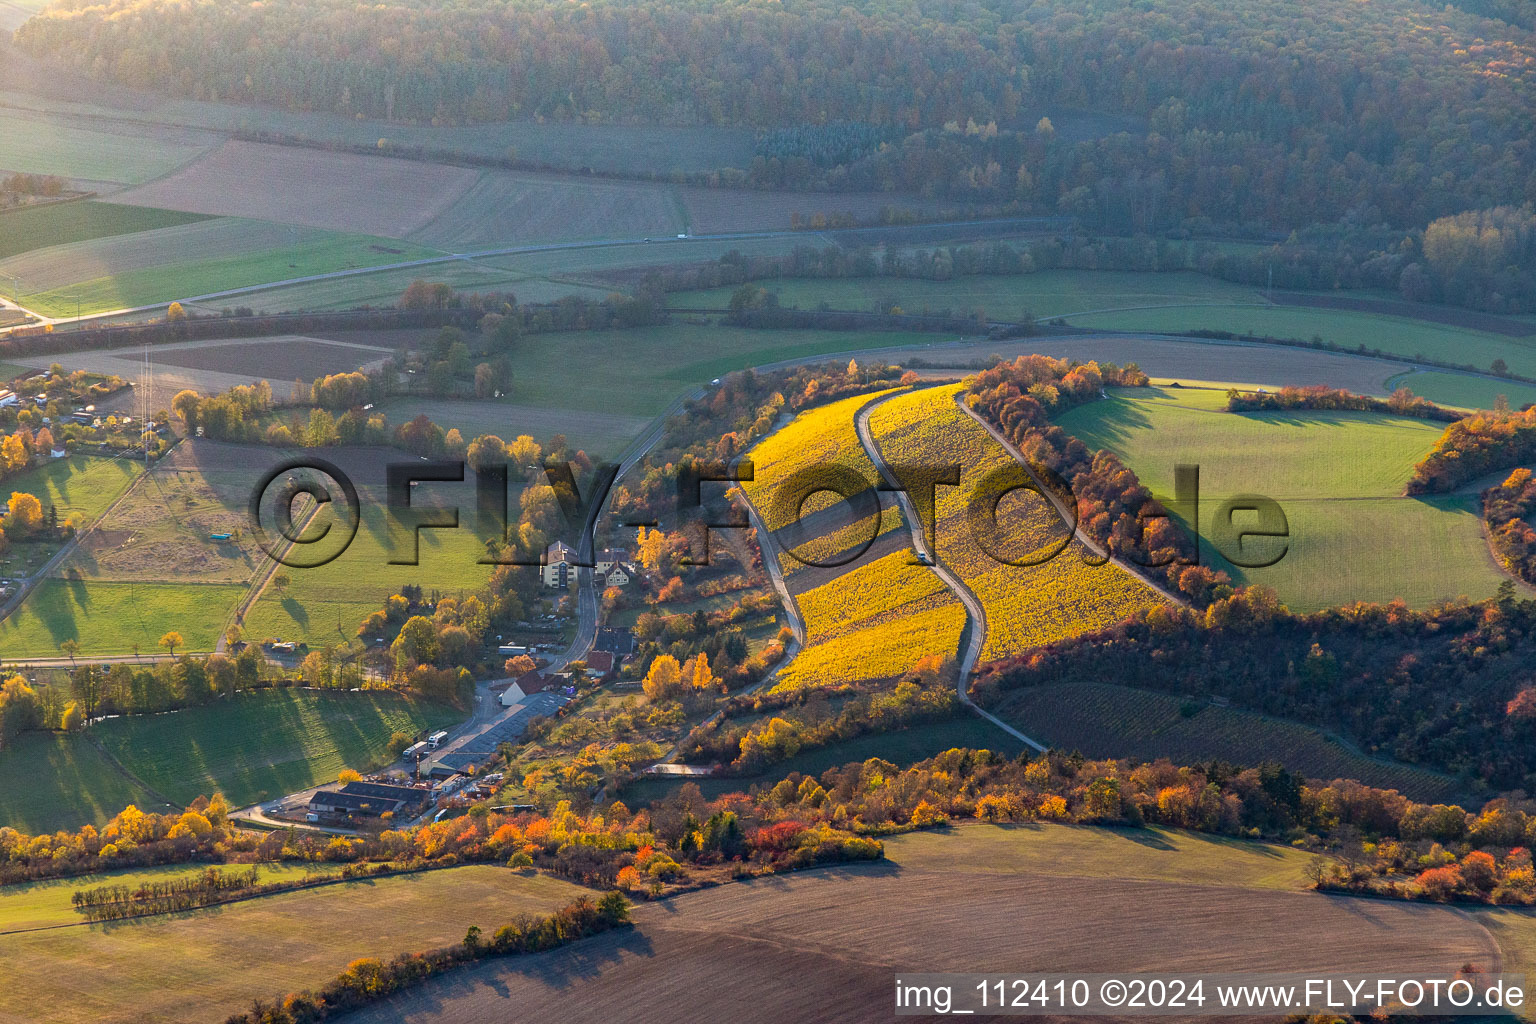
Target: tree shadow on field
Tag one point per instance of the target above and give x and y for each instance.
(1110, 423)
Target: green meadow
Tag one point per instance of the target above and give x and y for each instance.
(1338, 477)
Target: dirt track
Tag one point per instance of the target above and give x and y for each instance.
(825, 945)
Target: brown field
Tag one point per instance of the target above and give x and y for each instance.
(338, 191)
(506, 208)
(825, 945)
(277, 358)
(714, 210)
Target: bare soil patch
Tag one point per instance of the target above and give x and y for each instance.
(282, 358)
(338, 191)
(826, 945)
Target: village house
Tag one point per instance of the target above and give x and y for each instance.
(559, 565)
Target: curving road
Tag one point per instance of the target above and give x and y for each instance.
(976, 614)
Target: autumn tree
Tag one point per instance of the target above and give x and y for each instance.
(664, 680)
(170, 641)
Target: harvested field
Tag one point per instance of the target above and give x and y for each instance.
(596, 432)
(505, 208)
(280, 358)
(207, 964)
(88, 148)
(337, 191)
(980, 899)
(717, 210)
(1103, 720)
(162, 530)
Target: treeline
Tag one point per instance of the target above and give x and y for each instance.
(1361, 109)
(804, 720)
(1484, 442)
(1409, 871)
(1448, 688)
(117, 902)
(1319, 396)
(1113, 507)
(1508, 510)
(369, 980)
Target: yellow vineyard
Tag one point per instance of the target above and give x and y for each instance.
(1026, 605)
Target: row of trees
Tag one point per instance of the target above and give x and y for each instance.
(1112, 505)
(1508, 510)
(1402, 402)
(1484, 442)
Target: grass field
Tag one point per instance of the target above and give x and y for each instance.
(1132, 301)
(208, 964)
(1060, 899)
(161, 531)
(1026, 605)
(178, 278)
(384, 288)
(80, 487)
(33, 905)
(903, 747)
(50, 781)
(1338, 476)
(61, 223)
(325, 605)
(1463, 391)
(1104, 720)
(261, 745)
(639, 372)
(115, 618)
(39, 143)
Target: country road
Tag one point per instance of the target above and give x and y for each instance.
(976, 615)
(456, 257)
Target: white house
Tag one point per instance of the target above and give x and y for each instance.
(559, 565)
(607, 557)
(618, 574)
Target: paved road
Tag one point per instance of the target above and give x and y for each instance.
(976, 614)
(455, 257)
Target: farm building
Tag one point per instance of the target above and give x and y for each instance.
(369, 800)
(559, 565)
(525, 685)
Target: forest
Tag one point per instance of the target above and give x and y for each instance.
(1396, 112)
(1448, 688)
